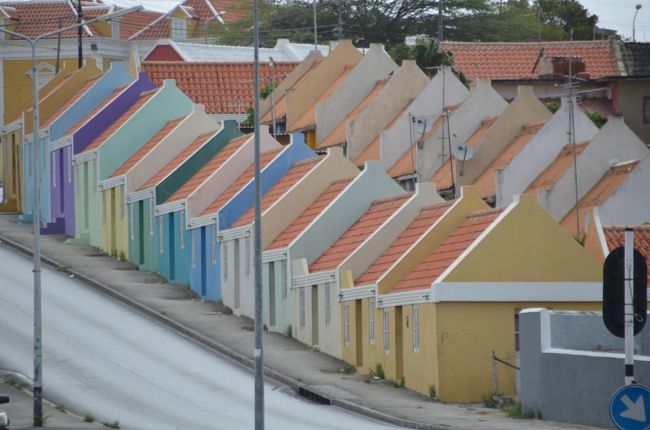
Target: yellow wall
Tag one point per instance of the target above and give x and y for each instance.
(310, 138)
(115, 239)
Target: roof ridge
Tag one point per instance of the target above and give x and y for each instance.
(437, 206)
(389, 199)
(342, 180)
(484, 212)
(532, 127)
(312, 160)
(531, 43)
(623, 227)
(209, 63)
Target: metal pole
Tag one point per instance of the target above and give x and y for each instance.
(259, 342)
(637, 7)
(440, 21)
(79, 35)
(315, 29)
(57, 65)
(495, 381)
(273, 95)
(38, 343)
(629, 306)
(340, 22)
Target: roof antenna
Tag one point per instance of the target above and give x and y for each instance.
(539, 57)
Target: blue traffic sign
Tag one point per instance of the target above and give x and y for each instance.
(630, 408)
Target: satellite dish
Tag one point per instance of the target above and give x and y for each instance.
(462, 151)
(421, 124)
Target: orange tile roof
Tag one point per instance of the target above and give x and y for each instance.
(92, 113)
(555, 170)
(147, 147)
(179, 159)
(422, 222)
(378, 212)
(339, 136)
(615, 237)
(293, 175)
(373, 150)
(239, 183)
(72, 100)
(442, 177)
(217, 86)
(600, 192)
(209, 168)
(308, 119)
(515, 60)
(308, 215)
(486, 182)
(144, 98)
(433, 265)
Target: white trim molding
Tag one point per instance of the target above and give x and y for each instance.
(60, 143)
(136, 196)
(236, 233)
(314, 279)
(166, 208)
(202, 221)
(516, 292)
(275, 255)
(109, 183)
(357, 293)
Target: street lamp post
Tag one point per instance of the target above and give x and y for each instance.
(637, 7)
(38, 347)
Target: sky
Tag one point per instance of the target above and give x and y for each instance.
(618, 15)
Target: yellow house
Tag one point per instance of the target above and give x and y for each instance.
(452, 299)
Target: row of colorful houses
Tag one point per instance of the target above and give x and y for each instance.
(355, 263)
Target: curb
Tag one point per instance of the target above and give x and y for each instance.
(225, 351)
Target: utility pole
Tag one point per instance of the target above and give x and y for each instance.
(315, 29)
(79, 34)
(340, 22)
(273, 95)
(440, 21)
(57, 65)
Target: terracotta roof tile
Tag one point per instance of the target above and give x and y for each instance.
(515, 60)
(442, 177)
(147, 147)
(308, 215)
(94, 112)
(339, 136)
(555, 170)
(209, 168)
(293, 175)
(378, 212)
(432, 266)
(72, 100)
(179, 159)
(422, 222)
(486, 182)
(136, 21)
(615, 237)
(239, 183)
(144, 98)
(217, 86)
(600, 192)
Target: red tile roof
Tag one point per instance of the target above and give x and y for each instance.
(378, 212)
(179, 159)
(209, 168)
(429, 269)
(425, 219)
(147, 147)
(308, 215)
(515, 60)
(297, 172)
(555, 170)
(136, 21)
(92, 113)
(72, 100)
(217, 86)
(615, 237)
(144, 98)
(239, 184)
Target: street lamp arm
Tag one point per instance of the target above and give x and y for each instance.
(18, 35)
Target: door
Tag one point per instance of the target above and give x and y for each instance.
(399, 343)
(172, 248)
(141, 231)
(314, 315)
(358, 330)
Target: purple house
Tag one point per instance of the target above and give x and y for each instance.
(104, 102)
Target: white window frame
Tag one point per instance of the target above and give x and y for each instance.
(161, 233)
(213, 231)
(115, 29)
(181, 228)
(416, 328)
(347, 324)
(371, 320)
(328, 304)
(386, 331)
(302, 308)
(193, 248)
(179, 28)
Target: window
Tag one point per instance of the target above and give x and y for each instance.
(284, 279)
(386, 331)
(347, 324)
(193, 248)
(179, 28)
(181, 228)
(302, 309)
(224, 260)
(517, 329)
(131, 223)
(213, 233)
(328, 305)
(416, 328)
(646, 110)
(161, 233)
(54, 169)
(371, 320)
(151, 217)
(249, 263)
(115, 28)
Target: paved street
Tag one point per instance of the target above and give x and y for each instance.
(102, 358)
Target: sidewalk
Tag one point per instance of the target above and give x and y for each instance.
(286, 360)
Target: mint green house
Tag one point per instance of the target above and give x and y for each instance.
(133, 123)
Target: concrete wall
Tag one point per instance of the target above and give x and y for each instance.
(541, 151)
(143, 235)
(402, 88)
(319, 79)
(374, 66)
(615, 142)
(526, 108)
(571, 365)
(394, 141)
(88, 203)
(627, 206)
(630, 95)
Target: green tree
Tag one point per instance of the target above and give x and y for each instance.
(567, 15)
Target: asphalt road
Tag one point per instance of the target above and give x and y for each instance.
(104, 359)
